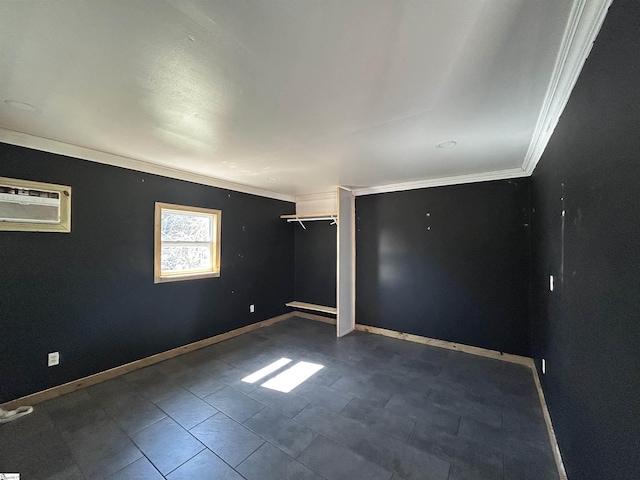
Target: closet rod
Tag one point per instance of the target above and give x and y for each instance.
(311, 219)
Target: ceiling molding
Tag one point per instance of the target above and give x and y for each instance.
(584, 23)
(443, 181)
(84, 153)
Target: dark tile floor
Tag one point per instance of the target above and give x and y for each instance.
(379, 409)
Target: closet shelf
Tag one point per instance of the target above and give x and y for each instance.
(311, 218)
(313, 306)
(308, 217)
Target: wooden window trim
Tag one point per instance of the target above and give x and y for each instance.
(158, 276)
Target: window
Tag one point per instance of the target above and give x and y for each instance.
(187, 243)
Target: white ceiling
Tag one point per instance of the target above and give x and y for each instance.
(289, 96)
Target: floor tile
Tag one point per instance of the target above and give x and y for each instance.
(361, 386)
(69, 473)
(436, 355)
(233, 376)
(269, 463)
(288, 435)
(396, 455)
(394, 365)
(135, 412)
(111, 391)
(157, 387)
(226, 438)
(74, 411)
(235, 404)
(167, 445)
(324, 396)
(401, 347)
(465, 454)
(204, 466)
(423, 367)
(138, 470)
(481, 433)
(289, 404)
(466, 408)
(32, 424)
(141, 375)
(518, 422)
(252, 358)
(397, 476)
(470, 473)
(172, 368)
(422, 380)
(343, 352)
(336, 462)
(527, 450)
(101, 449)
(332, 425)
(187, 409)
(380, 419)
(420, 409)
(199, 383)
(325, 377)
(205, 360)
(518, 469)
(38, 453)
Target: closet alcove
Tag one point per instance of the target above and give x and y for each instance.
(325, 257)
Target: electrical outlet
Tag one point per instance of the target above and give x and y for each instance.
(53, 359)
(544, 366)
(252, 308)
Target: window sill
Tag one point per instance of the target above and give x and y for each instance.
(188, 276)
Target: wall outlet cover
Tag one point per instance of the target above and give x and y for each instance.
(53, 359)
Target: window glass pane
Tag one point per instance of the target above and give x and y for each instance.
(181, 227)
(185, 258)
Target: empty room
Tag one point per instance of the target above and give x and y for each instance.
(295, 239)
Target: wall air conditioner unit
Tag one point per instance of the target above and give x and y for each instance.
(34, 206)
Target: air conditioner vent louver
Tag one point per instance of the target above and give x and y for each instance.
(26, 205)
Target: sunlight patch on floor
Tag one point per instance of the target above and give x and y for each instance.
(292, 377)
(269, 369)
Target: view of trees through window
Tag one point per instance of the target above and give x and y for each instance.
(186, 241)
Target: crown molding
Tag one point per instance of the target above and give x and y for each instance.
(585, 21)
(84, 153)
(442, 181)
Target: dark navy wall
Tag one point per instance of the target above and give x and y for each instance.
(316, 263)
(450, 263)
(90, 294)
(588, 328)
